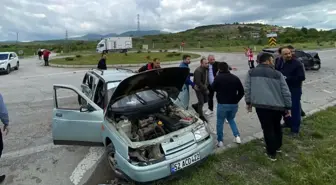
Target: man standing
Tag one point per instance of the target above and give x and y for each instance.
(153, 65)
(5, 120)
(294, 73)
(213, 70)
(303, 114)
(184, 96)
(46, 54)
(39, 54)
(102, 63)
(201, 87)
(249, 54)
(267, 91)
(229, 91)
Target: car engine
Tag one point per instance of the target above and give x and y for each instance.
(147, 127)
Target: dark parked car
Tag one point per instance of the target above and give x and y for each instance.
(311, 60)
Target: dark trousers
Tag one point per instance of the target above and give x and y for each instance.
(46, 61)
(202, 98)
(294, 121)
(271, 126)
(210, 98)
(251, 64)
(1, 144)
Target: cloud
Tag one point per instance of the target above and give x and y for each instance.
(50, 19)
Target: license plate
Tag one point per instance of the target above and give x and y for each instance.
(179, 165)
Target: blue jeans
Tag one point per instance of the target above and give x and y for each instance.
(228, 112)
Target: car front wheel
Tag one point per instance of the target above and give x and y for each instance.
(110, 156)
(316, 67)
(8, 69)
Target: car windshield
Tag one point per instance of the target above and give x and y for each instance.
(137, 99)
(3, 56)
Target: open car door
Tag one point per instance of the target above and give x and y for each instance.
(75, 123)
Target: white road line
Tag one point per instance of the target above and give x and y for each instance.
(29, 151)
(53, 74)
(326, 91)
(95, 153)
(317, 80)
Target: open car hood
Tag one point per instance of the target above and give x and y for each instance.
(169, 79)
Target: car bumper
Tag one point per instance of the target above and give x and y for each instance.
(161, 170)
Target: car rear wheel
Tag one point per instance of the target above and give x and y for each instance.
(17, 66)
(316, 66)
(8, 69)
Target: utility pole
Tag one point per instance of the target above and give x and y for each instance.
(17, 41)
(66, 41)
(138, 17)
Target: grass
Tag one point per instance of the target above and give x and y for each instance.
(309, 159)
(304, 46)
(120, 58)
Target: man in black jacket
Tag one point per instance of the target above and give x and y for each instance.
(152, 65)
(213, 69)
(201, 80)
(102, 63)
(229, 91)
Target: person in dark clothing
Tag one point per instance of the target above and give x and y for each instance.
(303, 114)
(213, 70)
(46, 54)
(201, 87)
(267, 91)
(229, 91)
(5, 120)
(102, 63)
(153, 65)
(294, 73)
(39, 53)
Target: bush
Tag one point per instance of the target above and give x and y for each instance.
(78, 56)
(148, 51)
(139, 51)
(69, 58)
(177, 54)
(160, 50)
(165, 51)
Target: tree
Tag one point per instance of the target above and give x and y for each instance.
(304, 30)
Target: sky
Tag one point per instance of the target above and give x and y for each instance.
(49, 19)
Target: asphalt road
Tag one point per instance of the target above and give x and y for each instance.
(30, 157)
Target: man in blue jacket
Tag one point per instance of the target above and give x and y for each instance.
(5, 120)
(184, 97)
(294, 73)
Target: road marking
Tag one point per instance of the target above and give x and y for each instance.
(326, 91)
(53, 74)
(29, 151)
(317, 80)
(95, 153)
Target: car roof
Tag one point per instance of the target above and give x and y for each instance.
(9, 52)
(114, 74)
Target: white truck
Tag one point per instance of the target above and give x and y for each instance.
(114, 44)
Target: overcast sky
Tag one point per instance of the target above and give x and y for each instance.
(35, 19)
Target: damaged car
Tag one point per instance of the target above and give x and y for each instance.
(146, 136)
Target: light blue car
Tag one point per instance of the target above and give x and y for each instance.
(147, 137)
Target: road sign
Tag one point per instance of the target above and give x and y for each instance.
(272, 41)
(272, 35)
(20, 52)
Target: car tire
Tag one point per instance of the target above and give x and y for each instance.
(8, 69)
(110, 157)
(17, 66)
(316, 67)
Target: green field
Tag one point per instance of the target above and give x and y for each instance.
(309, 159)
(120, 58)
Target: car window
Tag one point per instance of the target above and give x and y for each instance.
(101, 45)
(14, 55)
(3, 56)
(138, 99)
(111, 86)
(299, 54)
(11, 55)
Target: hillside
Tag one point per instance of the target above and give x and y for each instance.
(91, 37)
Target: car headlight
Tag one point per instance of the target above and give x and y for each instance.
(201, 132)
(2, 63)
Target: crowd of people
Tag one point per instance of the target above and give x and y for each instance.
(273, 88)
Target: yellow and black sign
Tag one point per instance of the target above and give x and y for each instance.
(272, 41)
